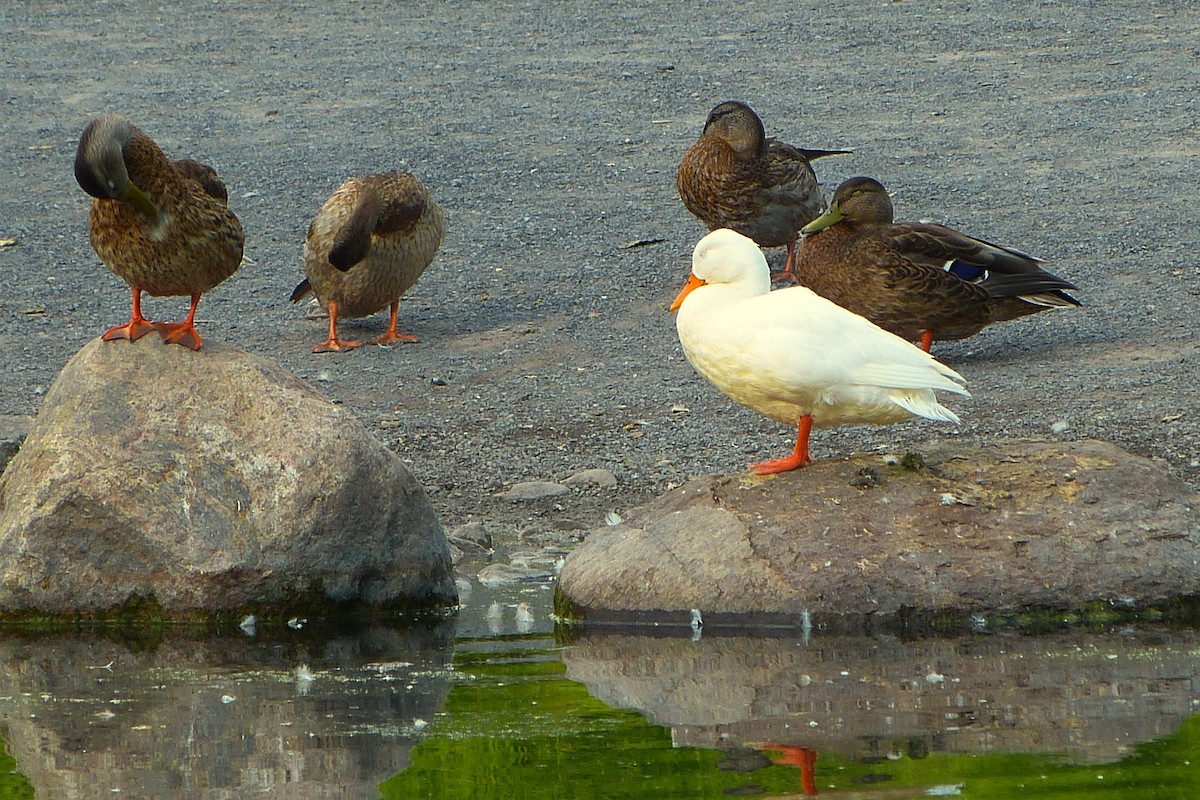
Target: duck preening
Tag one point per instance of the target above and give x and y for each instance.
(367, 246)
(162, 226)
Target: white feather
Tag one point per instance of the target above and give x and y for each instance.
(791, 352)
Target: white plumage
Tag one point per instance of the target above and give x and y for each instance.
(794, 356)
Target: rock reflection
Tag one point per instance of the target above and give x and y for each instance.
(1089, 697)
(221, 718)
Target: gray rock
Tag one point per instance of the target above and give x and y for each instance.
(532, 490)
(473, 536)
(593, 477)
(13, 430)
(212, 480)
(495, 575)
(991, 528)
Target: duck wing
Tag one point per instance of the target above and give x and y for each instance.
(998, 270)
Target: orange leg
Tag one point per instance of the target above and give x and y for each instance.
(137, 327)
(333, 344)
(926, 340)
(185, 332)
(797, 459)
(803, 757)
(390, 336)
(789, 266)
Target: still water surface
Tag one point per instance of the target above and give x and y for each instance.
(490, 704)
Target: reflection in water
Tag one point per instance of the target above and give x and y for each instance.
(299, 717)
(802, 758)
(384, 713)
(1088, 696)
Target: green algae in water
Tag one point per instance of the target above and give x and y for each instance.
(13, 785)
(519, 729)
(515, 727)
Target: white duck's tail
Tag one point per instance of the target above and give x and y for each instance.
(923, 403)
(931, 375)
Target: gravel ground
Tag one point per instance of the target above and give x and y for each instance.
(550, 134)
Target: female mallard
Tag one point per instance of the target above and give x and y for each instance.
(795, 357)
(735, 177)
(161, 226)
(918, 280)
(368, 245)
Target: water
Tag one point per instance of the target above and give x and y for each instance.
(491, 704)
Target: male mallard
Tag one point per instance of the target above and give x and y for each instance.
(795, 357)
(918, 280)
(735, 177)
(368, 245)
(162, 226)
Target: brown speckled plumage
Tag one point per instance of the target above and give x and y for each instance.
(367, 246)
(161, 226)
(918, 280)
(735, 177)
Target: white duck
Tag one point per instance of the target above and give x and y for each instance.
(793, 355)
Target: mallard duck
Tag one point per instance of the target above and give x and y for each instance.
(735, 177)
(366, 247)
(918, 280)
(161, 226)
(794, 356)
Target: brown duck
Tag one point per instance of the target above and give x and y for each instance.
(918, 280)
(368, 245)
(161, 226)
(735, 177)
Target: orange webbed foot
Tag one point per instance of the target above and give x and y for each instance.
(183, 333)
(786, 464)
(132, 330)
(333, 345)
(391, 337)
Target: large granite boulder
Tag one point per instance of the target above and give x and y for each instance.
(211, 481)
(958, 530)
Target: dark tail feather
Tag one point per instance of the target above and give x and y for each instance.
(813, 155)
(1055, 299)
(998, 285)
(301, 291)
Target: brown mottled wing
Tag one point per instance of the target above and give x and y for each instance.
(404, 200)
(204, 175)
(904, 295)
(1000, 271)
(791, 183)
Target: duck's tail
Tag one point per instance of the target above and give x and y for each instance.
(923, 403)
(301, 291)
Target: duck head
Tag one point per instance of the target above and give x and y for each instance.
(857, 200)
(100, 166)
